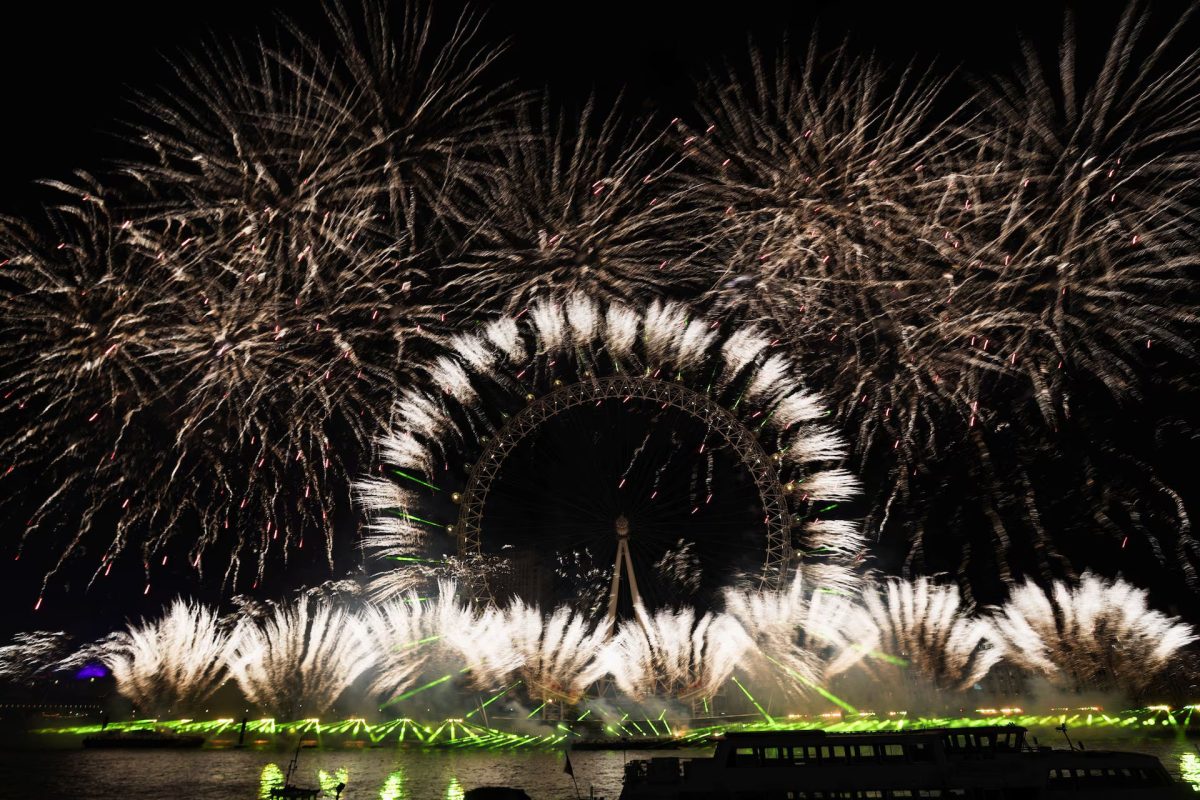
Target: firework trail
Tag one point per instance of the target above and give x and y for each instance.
(1076, 254)
(271, 141)
(171, 664)
(579, 340)
(554, 655)
(675, 653)
(801, 637)
(165, 389)
(1098, 633)
(400, 631)
(582, 206)
(959, 277)
(32, 654)
(927, 625)
(240, 307)
(300, 658)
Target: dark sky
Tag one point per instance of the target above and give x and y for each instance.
(68, 74)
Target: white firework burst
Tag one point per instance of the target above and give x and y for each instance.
(1099, 633)
(556, 344)
(928, 625)
(168, 665)
(300, 658)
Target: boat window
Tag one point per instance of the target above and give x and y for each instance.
(866, 752)
(744, 757)
(871, 794)
(833, 754)
(893, 750)
(900, 793)
(770, 754)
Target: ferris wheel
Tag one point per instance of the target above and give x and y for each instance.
(585, 448)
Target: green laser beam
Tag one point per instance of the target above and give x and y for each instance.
(415, 479)
(821, 690)
(746, 692)
(415, 518)
(493, 699)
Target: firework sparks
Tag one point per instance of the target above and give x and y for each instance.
(32, 654)
(958, 277)
(170, 664)
(300, 658)
(1099, 633)
(581, 207)
(927, 625)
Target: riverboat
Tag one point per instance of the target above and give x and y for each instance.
(984, 763)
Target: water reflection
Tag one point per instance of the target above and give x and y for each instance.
(455, 790)
(272, 776)
(328, 781)
(1189, 769)
(393, 787)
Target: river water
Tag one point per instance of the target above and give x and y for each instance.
(379, 774)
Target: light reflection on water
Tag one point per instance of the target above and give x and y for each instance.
(385, 774)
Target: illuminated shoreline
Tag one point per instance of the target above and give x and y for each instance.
(630, 730)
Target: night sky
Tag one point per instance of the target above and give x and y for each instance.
(70, 73)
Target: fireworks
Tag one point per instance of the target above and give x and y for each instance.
(791, 643)
(1100, 633)
(567, 351)
(587, 206)
(555, 655)
(171, 664)
(927, 625)
(674, 653)
(300, 658)
(31, 655)
(807, 635)
(975, 284)
(181, 357)
(961, 271)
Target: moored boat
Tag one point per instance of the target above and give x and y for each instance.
(994, 763)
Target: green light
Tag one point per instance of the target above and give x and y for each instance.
(415, 518)
(415, 479)
(393, 787)
(746, 692)
(419, 689)
(272, 777)
(493, 699)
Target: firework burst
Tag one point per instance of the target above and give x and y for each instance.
(927, 625)
(300, 658)
(171, 664)
(959, 275)
(586, 207)
(488, 376)
(807, 634)
(1098, 634)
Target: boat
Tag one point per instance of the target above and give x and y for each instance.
(986, 763)
(142, 738)
(290, 791)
